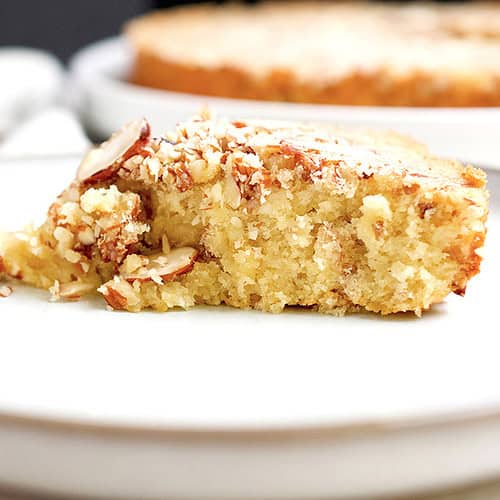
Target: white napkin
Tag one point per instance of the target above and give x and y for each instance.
(31, 123)
(51, 132)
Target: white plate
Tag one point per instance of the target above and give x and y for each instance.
(107, 101)
(225, 404)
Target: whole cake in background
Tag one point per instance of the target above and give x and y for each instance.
(258, 215)
(416, 54)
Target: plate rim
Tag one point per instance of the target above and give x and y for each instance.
(247, 433)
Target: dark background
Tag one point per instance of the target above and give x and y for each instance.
(63, 26)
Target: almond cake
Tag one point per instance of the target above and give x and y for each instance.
(358, 53)
(258, 215)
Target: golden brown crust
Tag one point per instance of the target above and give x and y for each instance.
(422, 55)
(417, 89)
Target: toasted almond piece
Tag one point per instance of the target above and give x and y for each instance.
(101, 162)
(73, 291)
(113, 297)
(232, 192)
(165, 266)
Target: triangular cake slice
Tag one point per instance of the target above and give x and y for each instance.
(258, 215)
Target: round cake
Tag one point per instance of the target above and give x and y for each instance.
(318, 52)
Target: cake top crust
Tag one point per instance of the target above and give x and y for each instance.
(261, 155)
(365, 152)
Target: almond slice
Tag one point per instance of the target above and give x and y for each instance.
(232, 192)
(114, 294)
(101, 162)
(165, 267)
(74, 290)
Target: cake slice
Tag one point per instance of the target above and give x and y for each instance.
(258, 215)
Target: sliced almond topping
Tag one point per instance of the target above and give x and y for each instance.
(232, 192)
(5, 291)
(101, 162)
(73, 291)
(113, 297)
(165, 267)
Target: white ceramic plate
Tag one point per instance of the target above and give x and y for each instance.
(106, 101)
(225, 404)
